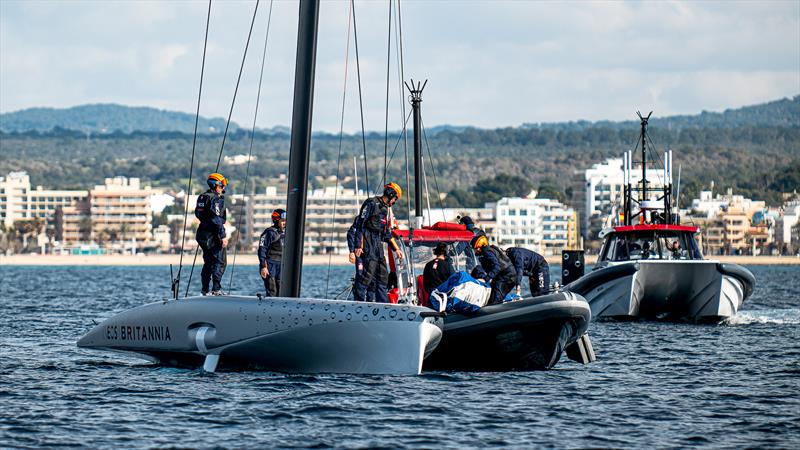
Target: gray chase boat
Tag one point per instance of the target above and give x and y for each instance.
(277, 334)
(654, 269)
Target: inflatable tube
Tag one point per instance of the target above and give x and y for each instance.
(587, 283)
(746, 277)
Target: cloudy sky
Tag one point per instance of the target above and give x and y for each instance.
(489, 63)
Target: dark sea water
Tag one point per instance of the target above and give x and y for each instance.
(653, 385)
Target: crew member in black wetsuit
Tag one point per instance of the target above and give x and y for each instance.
(495, 268)
(372, 230)
(211, 237)
(438, 270)
(532, 265)
(270, 252)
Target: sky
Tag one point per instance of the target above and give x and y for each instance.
(488, 63)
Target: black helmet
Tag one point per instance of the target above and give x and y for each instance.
(278, 215)
(440, 249)
(467, 221)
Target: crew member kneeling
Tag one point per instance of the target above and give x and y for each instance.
(270, 252)
(496, 268)
(532, 265)
(210, 210)
(372, 230)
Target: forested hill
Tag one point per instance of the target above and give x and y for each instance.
(111, 118)
(759, 160)
(107, 118)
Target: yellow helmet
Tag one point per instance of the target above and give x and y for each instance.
(216, 179)
(392, 190)
(479, 241)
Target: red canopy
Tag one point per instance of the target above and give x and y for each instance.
(656, 227)
(438, 232)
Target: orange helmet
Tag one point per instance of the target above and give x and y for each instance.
(392, 190)
(479, 241)
(216, 179)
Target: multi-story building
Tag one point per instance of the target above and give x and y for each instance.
(120, 210)
(788, 217)
(19, 202)
(605, 187)
(543, 225)
(329, 213)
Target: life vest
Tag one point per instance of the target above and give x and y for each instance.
(204, 210)
(378, 221)
(505, 262)
(275, 249)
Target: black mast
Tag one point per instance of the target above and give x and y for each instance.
(292, 261)
(416, 105)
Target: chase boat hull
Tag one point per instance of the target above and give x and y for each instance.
(276, 334)
(528, 334)
(699, 291)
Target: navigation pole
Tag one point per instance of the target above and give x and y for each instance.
(292, 261)
(416, 105)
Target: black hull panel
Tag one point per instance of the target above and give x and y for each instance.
(529, 334)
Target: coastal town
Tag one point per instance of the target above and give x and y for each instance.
(126, 216)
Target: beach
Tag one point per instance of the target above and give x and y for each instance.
(316, 260)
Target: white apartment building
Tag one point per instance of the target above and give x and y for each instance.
(19, 202)
(709, 206)
(604, 187)
(788, 218)
(325, 232)
(543, 225)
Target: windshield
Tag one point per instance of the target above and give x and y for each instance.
(460, 255)
(674, 245)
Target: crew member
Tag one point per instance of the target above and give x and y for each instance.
(372, 230)
(438, 270)
(496, 268)
(357, 261)
(211, 235)
(462, 246)
(532, 265)
(270, 252)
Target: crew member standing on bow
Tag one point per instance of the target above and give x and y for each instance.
(532, 265)
(495, 268)
(372, 230)
(270, 252)
(211, 235)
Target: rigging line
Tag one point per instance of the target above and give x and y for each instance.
(339, 154)
(401, 92)
(176, 281)
(360, 100)
(397, 143)
(252, 138)
(388, 71)
(433, 170)
(427, 192)
(403, 103)
(191, 272)
(235, 91)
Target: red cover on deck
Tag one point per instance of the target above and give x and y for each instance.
(656, 227)
(439, 232)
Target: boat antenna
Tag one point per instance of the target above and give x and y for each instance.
(176, 281)
(416, 105)
(303, 105)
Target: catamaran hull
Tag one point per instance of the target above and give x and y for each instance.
(529, 334)
(693, 291)
(278, 334)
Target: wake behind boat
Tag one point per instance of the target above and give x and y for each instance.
(654, 269)
(277, 334)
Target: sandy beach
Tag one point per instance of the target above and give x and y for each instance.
(252, 259)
